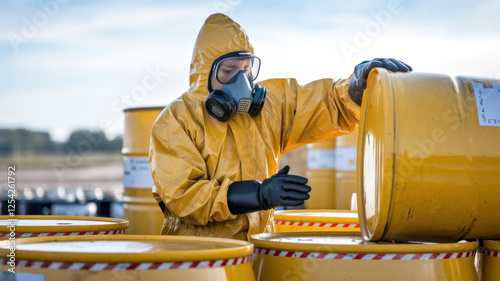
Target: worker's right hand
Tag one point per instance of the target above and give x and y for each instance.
(280, 189)
(283, 189)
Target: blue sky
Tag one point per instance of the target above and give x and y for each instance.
(77, 64)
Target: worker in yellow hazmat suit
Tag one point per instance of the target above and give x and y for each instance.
(215, 150)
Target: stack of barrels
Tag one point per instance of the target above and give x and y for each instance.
(428, 204)
(427, 185)
(331, 170)
(139, 206)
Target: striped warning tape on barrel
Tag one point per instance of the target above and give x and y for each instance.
(127, 266)
(489, 252)
(336, 256)
(317, 224)
(50, 234)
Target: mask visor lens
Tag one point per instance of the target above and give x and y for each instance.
(227, 68)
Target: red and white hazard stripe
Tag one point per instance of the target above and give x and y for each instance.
(50, 234)
(336, 256)
(489, 252)
(317, 224)
(127, 266)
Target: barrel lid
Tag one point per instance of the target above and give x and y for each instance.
(375, 155)
(318, 215)
(350, 242)
(145, 108)
(127, 248)
(57, 224)
(491, 244)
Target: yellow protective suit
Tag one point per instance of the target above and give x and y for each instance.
(194, 158)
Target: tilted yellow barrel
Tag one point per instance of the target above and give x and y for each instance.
(489, 260)
(429, 160)
(129, 257)
(321, 175)
(316, 220)
(139, 206)
(46, 226)
(339, 256)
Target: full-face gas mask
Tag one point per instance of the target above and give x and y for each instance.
(236, 71)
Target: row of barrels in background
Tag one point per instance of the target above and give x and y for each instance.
(330, 167)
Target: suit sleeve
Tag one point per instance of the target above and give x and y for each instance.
(318, 111)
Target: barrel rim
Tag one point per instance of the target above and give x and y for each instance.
(263, 241)
(138, 195)
(279, 215)
(491, 245)
(369, 232)
(241, 249)
(115, 224)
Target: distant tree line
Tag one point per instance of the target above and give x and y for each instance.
(25, 142)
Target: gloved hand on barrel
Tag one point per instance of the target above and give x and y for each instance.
(358, 80)
(280, 189)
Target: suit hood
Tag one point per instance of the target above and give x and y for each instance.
(218, 36)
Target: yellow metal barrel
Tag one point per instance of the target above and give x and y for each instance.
(316, 220)
(128, 257)
(331, 170)
(321, 174)
(345, 169)
(346, 256)
(43, 226)
(429, 160)
(139, 205)
(489, 260)
(296, 159)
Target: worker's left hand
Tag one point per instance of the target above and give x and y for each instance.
(358, 80)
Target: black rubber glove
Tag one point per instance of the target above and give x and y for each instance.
(358, 80)
(279, 190)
